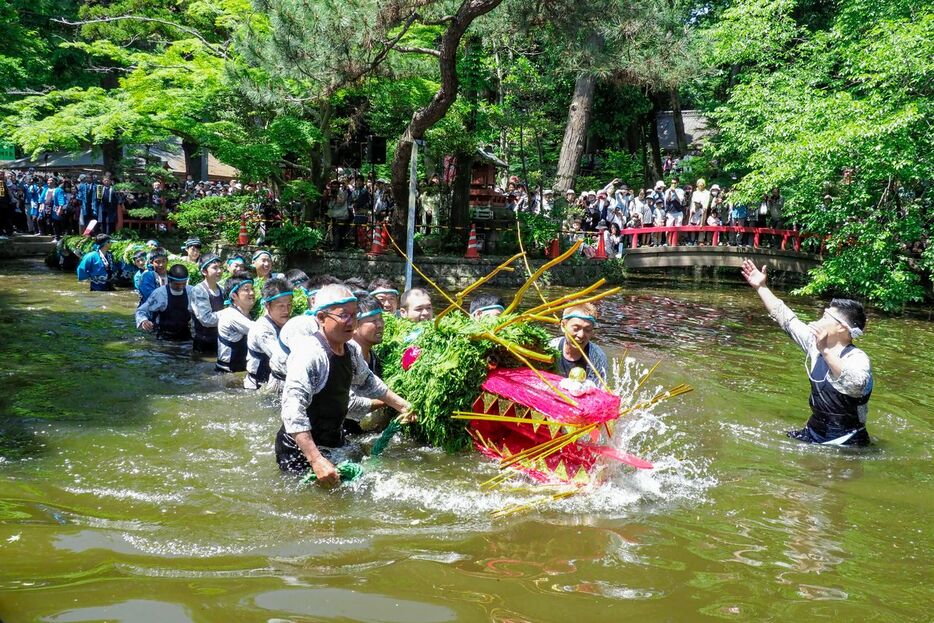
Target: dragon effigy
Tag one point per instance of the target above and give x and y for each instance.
(488, 383)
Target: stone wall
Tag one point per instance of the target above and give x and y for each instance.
(449, 272)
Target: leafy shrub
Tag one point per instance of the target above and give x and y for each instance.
(212, 217)
(291, 238)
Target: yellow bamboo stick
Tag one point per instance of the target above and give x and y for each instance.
(489, 417)
(459, 297)
(559, 307)
(538, 273)
(525, 261)
(423, 275)
(543, 308)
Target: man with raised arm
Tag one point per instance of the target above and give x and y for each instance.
(839, 373)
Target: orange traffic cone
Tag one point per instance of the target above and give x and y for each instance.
(473, 247)
(601, 247)
(385, 236)
(377, 247)
(243, 239)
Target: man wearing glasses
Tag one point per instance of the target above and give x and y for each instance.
(320, 371)
(840, 373)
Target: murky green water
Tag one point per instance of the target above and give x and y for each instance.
(135, 485)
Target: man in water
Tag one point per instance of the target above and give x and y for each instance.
(168, 308)
(263, 338)
(386, 293)
(486, 305)
(575, 350)
(415, 305)
(321, 370)
(840, 373)
(207, 299)
(234, 323)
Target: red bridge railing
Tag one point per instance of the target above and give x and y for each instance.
(671, 235)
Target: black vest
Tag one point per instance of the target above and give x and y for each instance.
(208, 335)
(173, 322)
(328, 408)
(565, 366)
(833, 413)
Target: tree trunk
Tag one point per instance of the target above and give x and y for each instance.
(575, 133)
(192, 153)
(424, 118)
(111, 154)
(653, 138)
(678, 119)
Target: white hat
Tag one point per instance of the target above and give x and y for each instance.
(570, 191)
(659, 184)
(715, 187)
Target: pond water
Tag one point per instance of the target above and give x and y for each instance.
(137, 485)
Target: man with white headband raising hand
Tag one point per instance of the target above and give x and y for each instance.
(320, 371)
(840, 373)
(575, 350)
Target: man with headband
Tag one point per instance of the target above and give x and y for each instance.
(262, 342)
(367, 334)
(262, 264)
(574, 346)
(234, 323)
(486, 305)
(168, 308)
(840, 374)
(306, 324)
(207, 299)
(322, 369)
(386, 293)
(235, 264)
(155, 277)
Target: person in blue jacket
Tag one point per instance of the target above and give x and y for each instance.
(107, 206)
(156, 276)
(97, 265)
(59, 210)
(84, 195)
(139, 263)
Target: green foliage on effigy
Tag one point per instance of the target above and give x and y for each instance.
(450, 369)
(299, 302)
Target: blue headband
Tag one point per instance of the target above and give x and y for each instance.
(349, 299)
(384, 291)
(372, 312)
(171, 278)
(269, 299)
(310, 293)
(229, 300)
(488, 308)
(235, 258)
(581, 317)
(259, 254)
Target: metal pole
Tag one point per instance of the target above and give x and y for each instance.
(410, 229)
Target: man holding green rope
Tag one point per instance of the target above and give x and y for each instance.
(320, 371)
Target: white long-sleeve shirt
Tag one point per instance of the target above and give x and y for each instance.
(308, 369)
(233, 326)
(303, 325)
(157, 302)
(262, 338)
(856, 376)
(200, 298)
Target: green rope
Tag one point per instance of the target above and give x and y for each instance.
(384, 439)
(348, 471)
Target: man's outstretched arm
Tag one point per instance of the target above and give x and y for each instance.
(787, 320)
